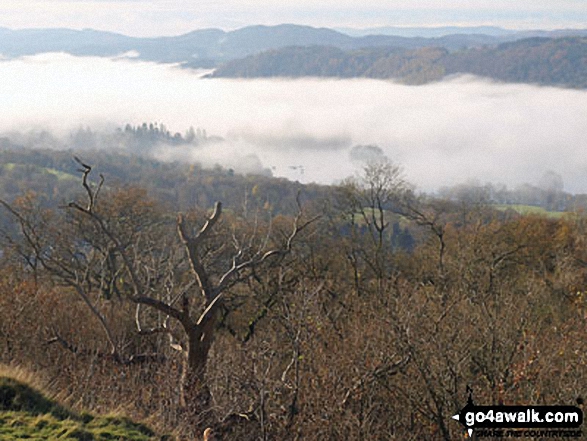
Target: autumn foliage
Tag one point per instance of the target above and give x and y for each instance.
(346, 336)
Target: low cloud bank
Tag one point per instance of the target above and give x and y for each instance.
(309, 129)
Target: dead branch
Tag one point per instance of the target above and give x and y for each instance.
(92, 195)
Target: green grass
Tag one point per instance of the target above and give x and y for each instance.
(61, 175)
(531, 210)
(57, 173)
(27, 414)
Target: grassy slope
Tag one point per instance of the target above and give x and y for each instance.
(59, 174)
(531, 210)
(25, 413)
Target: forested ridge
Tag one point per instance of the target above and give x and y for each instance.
(257, 308)
(545, 61)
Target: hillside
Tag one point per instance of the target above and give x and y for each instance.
(288, 354)
(441, 31)
(544, 61)
(26, 413)
(54, 174)
(205, 48)
(561, 62)
(81, 290)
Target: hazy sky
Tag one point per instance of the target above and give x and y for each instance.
(442, 133)
(172, 17)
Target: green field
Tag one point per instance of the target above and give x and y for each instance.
(57, 173)
(531, 210)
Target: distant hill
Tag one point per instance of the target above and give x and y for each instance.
(206, 47)
(546, 61)
(442, 31)
(427, 32)
(209, 47)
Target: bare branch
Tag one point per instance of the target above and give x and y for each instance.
(86, 171)
(192, 243)
(161, 306)
(211, 220)
(153, 331)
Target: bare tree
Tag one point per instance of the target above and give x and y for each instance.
(367, 204)
(121, 246)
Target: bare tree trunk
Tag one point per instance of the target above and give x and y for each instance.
(194, 391)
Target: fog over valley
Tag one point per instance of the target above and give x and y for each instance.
(312, 130)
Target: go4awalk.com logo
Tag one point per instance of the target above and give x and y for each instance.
(521, 421)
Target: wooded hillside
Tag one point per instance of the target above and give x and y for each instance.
(366, 316)
(545, 61)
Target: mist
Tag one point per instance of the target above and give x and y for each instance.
(444, 133)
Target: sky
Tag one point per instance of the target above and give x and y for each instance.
(443, 133)
(173, 17)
